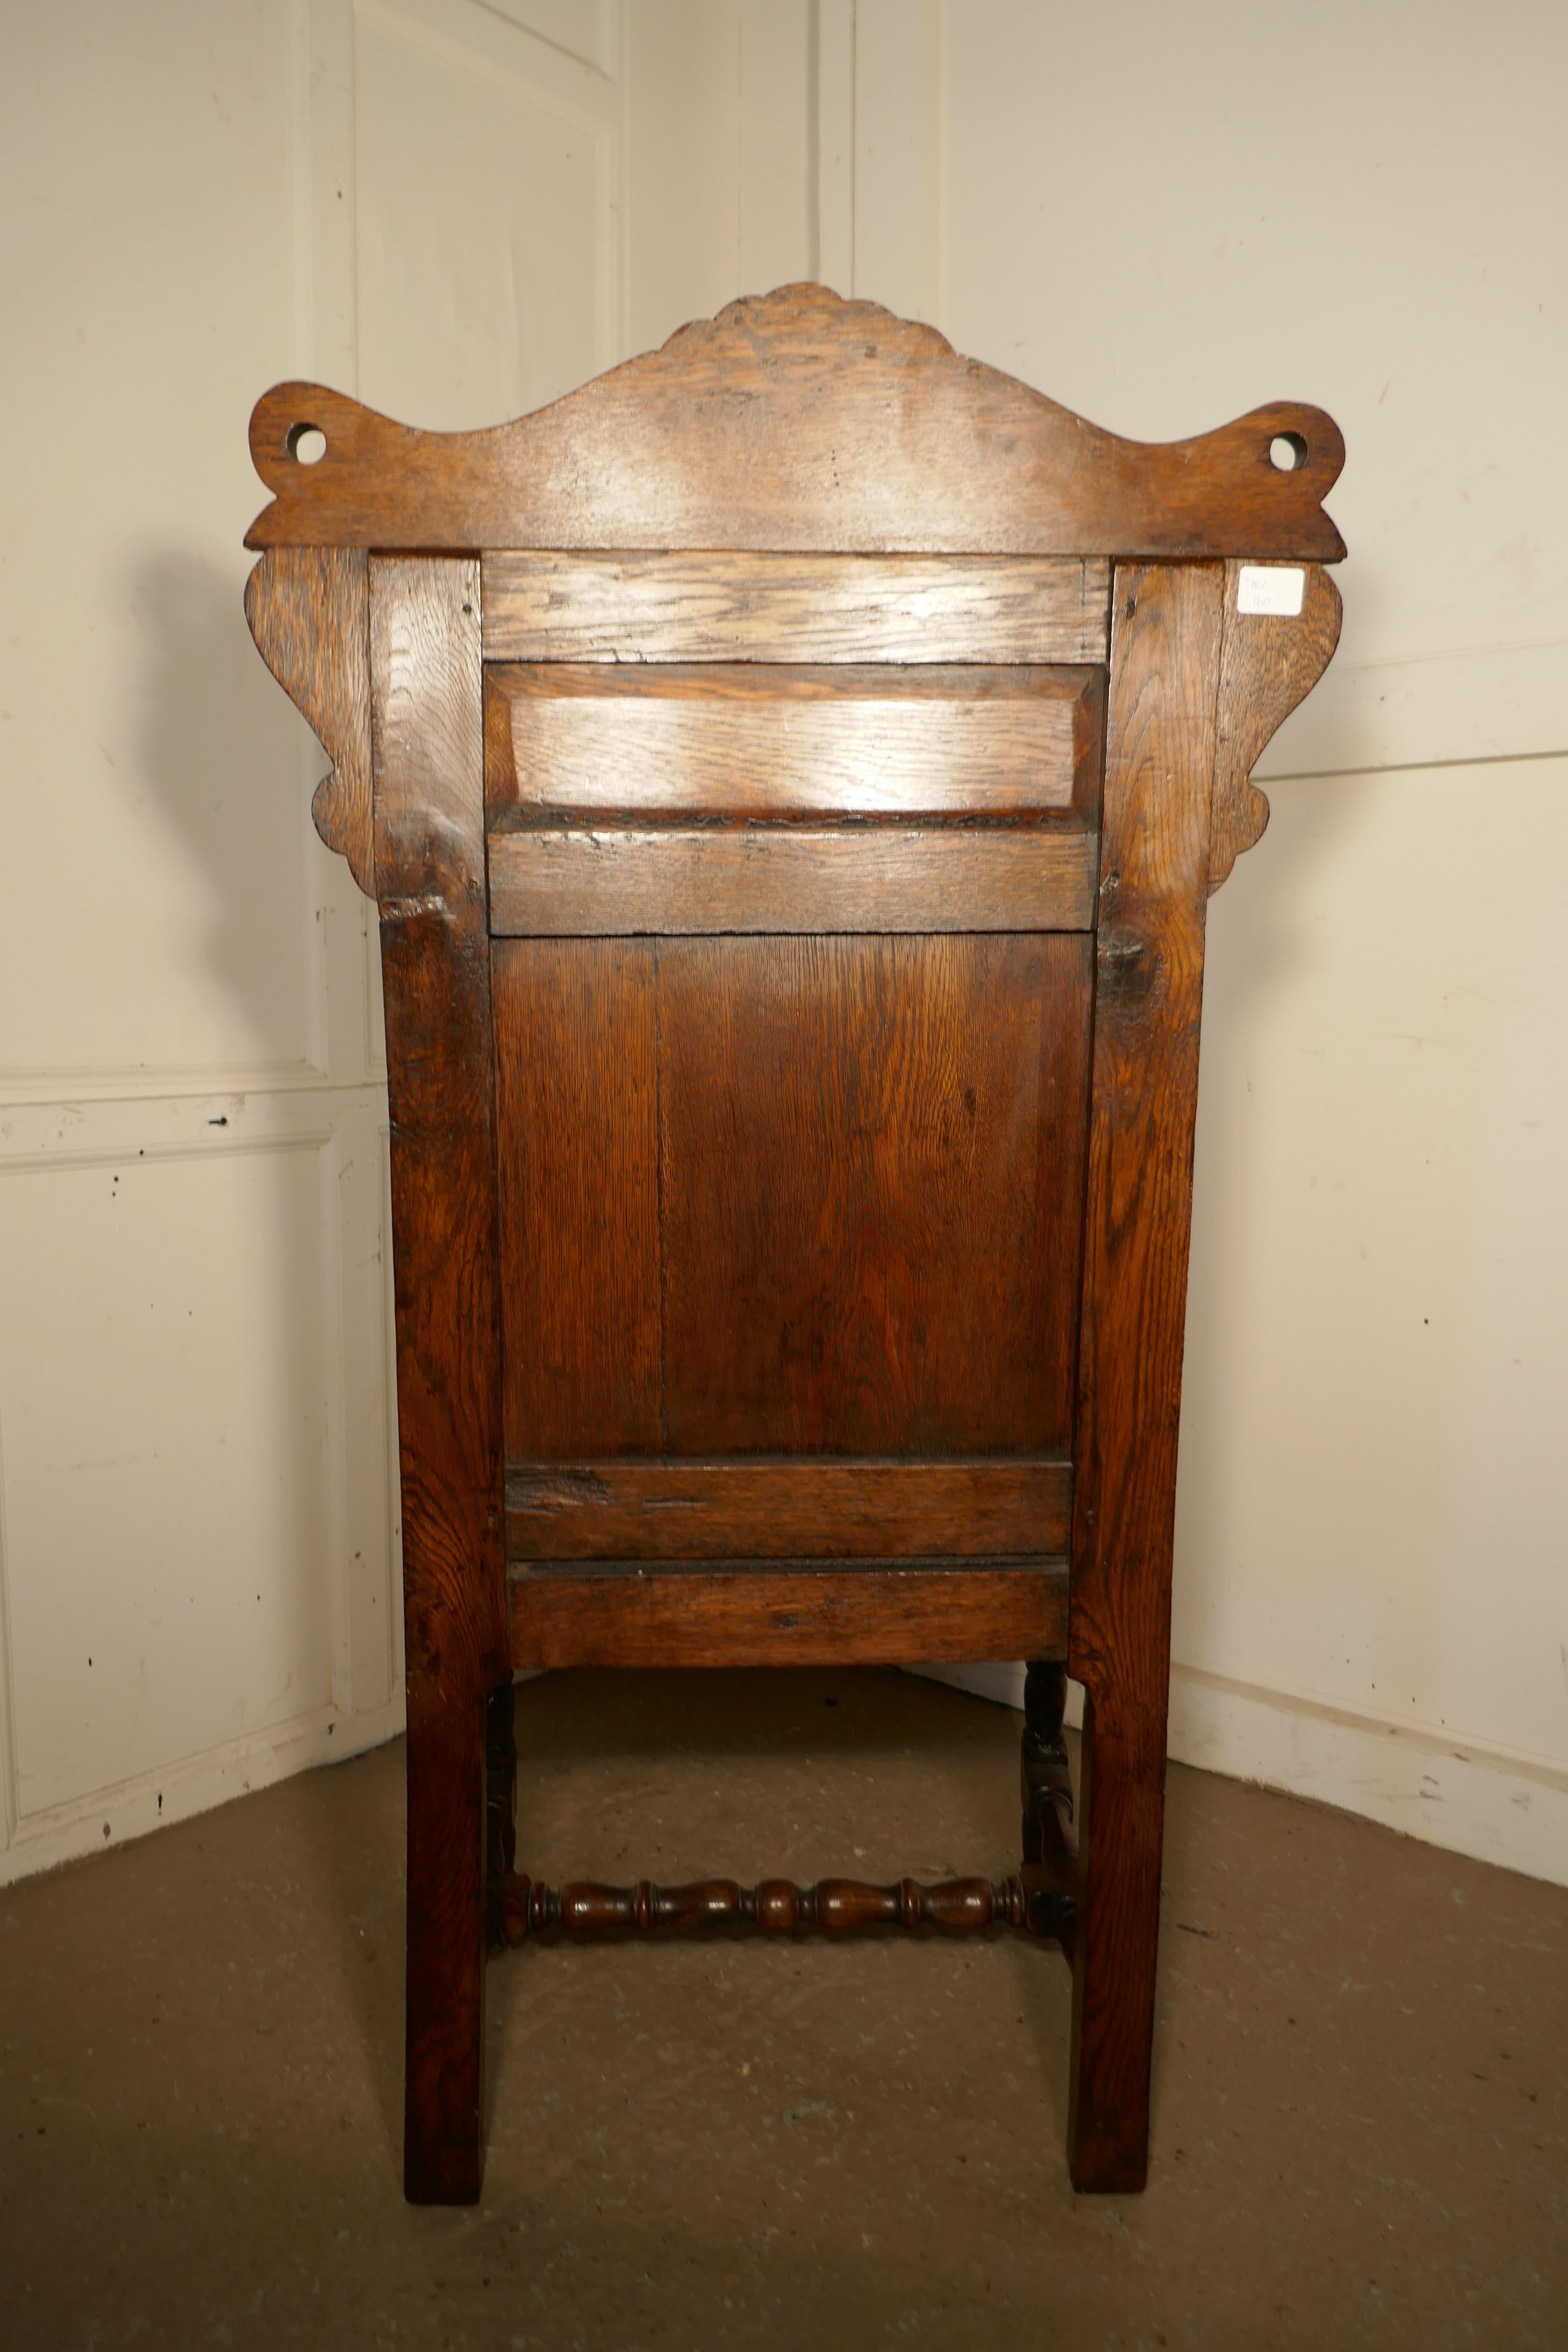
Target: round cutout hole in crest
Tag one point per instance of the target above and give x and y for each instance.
(1286, 451)
(307, 444)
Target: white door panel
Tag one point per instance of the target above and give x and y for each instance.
(485, 236)
(1164, 216)
(158, 887)
(420, 201)
(583, 28)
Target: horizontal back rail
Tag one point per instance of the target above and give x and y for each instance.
(800, 1614)
(785, 1506)
(550, 605)
(583, 882)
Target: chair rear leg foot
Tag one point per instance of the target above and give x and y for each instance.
(1122, 1798)
(443, 2061)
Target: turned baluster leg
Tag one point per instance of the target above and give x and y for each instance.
(500, 1782)
(501, 1802)
(1045, 1773)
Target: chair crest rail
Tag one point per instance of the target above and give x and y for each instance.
(797, 421)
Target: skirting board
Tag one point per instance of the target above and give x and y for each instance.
(1497, 1806)
(1004, 1683)
(175, 1792)
(1463, 1796)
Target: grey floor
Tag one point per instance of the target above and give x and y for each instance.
(1361, 2116)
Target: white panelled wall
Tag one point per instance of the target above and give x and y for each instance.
(198, 1513)
(457, 209)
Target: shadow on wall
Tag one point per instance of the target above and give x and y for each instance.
(219, 747)
(1266, 941)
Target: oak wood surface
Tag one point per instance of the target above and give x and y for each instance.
(872, 1180)
(793, 1074)
(501, 1795)
(784, 1506)
(790, 1196)
(309, 612)
(1166, 630)
(760, 1613)
(1269, 663)
(429, 865)
(796, 421)
(600, 881)
(577, 1082)
(1049, 1810)
(555, 604)
(832, 1907)
(759, 740)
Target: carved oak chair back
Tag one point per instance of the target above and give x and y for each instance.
(790, 772)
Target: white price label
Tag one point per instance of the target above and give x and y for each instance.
(1271, 588)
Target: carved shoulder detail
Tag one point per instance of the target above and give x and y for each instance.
(308, 611)
(796, 422)
(1268, 663)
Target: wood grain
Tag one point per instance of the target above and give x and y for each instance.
(552, 605)
(1166, 630)
(832, 1907)
(817, 1254)
(309, 612)
(577, 1083)
(796, 423)
(751, 739)
(429, 863)
(1049, 1818)
(786, 1508)
(757, 1613)
(1269, 663)
(872, 1187)
(600, 882)
(501, 1799)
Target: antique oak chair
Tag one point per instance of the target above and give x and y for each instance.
(790, 770)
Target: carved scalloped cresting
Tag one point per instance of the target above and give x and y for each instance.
(1268, 663)
(796, 422)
